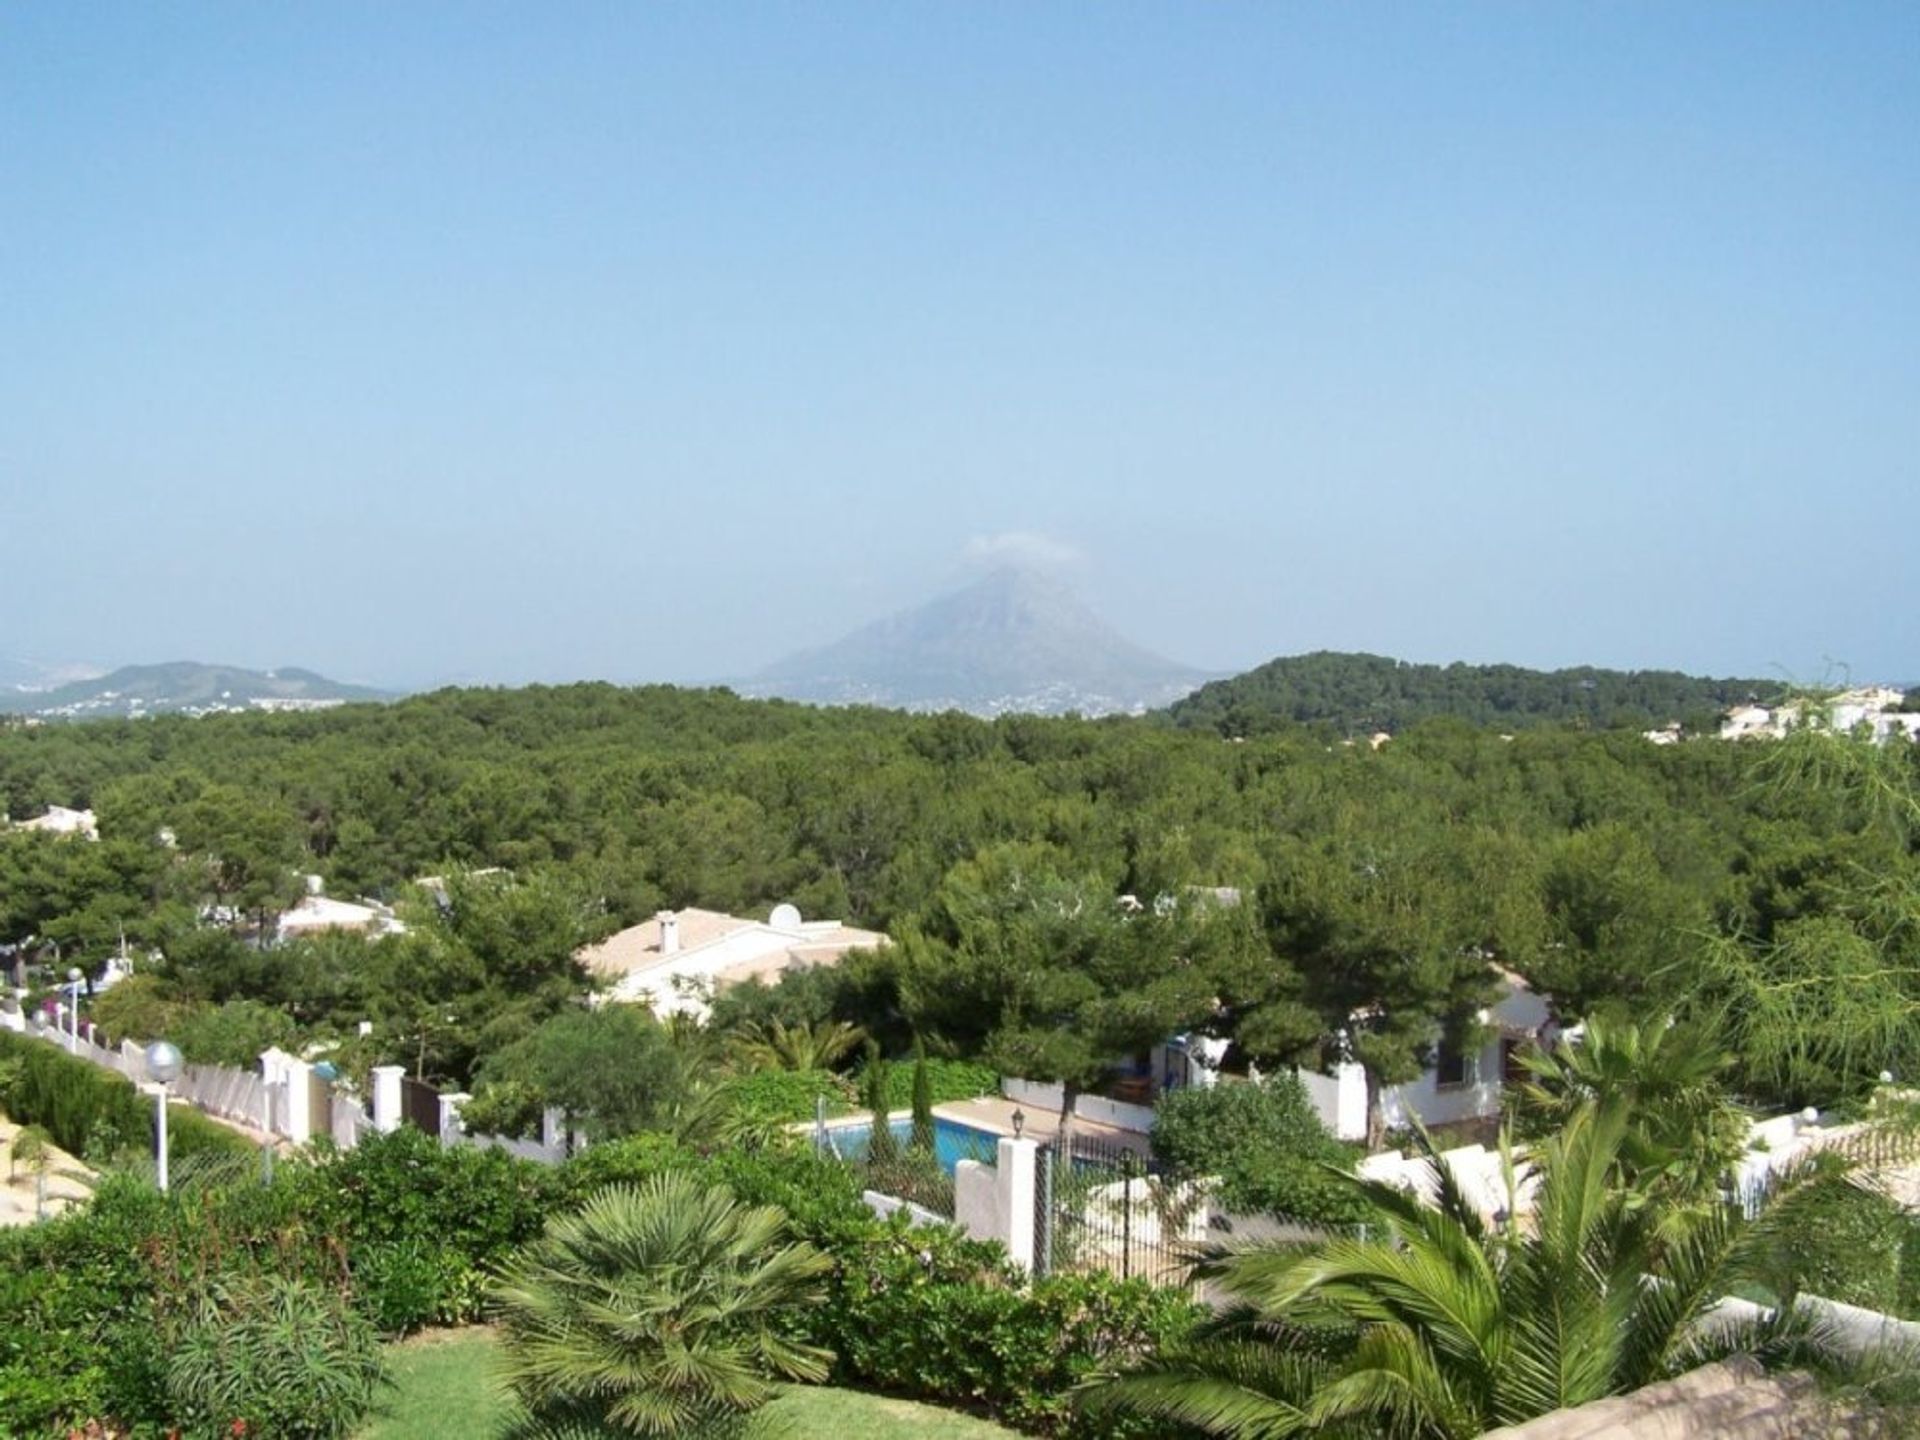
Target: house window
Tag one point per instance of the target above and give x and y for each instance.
(1453, 1066)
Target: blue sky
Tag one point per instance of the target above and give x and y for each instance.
(541, 342)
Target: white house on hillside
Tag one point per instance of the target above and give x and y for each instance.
(1458, 1086)
(678, 959)
(61, 821)
(317, 912)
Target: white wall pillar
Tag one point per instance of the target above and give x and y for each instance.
(453, 1130)
(386, 1097)
(299, 1101)
(1019, 1166)
(553, 1130)
(1351, 1105)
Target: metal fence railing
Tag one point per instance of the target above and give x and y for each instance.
(1101, 1205)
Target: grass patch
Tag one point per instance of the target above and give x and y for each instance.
(854, 1415)
(444, 1384)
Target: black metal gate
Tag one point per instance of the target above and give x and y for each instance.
(420, 1105)
(1102, 1205)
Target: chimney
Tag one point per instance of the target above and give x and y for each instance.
(669, 932)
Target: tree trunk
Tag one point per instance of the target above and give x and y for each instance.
(1069, 1092)
(1376, 1112)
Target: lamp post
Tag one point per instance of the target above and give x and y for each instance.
(74, 981)
(163, 1064)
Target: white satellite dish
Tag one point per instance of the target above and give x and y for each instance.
(784, 917)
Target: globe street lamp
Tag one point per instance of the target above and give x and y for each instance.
(74, 981)
(163, 1064)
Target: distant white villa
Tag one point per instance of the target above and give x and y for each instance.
(318, 912)
(677, 960)
(1877, 707)
(61, 821)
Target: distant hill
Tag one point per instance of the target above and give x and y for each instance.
(1361, 694)
(21, 672)
(185, 687)
(1011, 641)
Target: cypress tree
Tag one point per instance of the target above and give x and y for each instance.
(922, 1140)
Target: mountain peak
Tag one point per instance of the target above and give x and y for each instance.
(1015, 639)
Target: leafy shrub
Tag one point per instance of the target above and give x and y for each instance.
(1845, 1244)
(277, 1358)
(1266, 1144)
(947, 1080)
(421, 1221)
(234, 1034)
(767, 1098)
(927, 1313)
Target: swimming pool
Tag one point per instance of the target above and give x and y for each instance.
(953, 1141)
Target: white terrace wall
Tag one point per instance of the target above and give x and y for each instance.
(1044, 1095)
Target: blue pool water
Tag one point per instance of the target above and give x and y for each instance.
(952, 1141)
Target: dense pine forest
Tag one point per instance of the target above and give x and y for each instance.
(1360, 694)
(1769, 887)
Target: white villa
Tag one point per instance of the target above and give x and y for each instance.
(1458, 1086)
(61, 821)
(317, 912)
(1877, 707)
(677, 960)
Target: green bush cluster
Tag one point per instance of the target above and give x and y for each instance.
(94, 1305)
(925, 1313)
(273, 1356)
(95, 1113)
(930, 1315)
(1265, 1143)
(1848, 1244)
(771, 1098)
(948, 1080)
(96, 1308)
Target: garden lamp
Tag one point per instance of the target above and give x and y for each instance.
(163, 1064)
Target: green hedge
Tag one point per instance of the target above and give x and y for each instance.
(951, 1080)
(784, 1097)
(1845, 1244)
(94, 1112)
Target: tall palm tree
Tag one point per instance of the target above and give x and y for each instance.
(1440, 1325)
(653, 1311)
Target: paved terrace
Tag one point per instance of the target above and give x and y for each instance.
(995, 1113)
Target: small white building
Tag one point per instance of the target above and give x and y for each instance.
(679, 959)
(1459, 1085)
(318, 912)
(61, 821)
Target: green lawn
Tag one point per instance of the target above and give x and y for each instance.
(444, 1386)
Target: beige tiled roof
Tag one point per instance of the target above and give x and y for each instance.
(636, 949)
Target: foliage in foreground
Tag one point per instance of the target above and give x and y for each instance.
(655, 1311)
(275, 1358)
(1265, 1142)
(1447, 1326)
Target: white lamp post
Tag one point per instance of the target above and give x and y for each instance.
(74, 980)
(163, 1064)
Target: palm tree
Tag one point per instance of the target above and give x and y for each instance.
(801, 1046)
(1440, 1325)
(1684, 1130)
(653, 1311)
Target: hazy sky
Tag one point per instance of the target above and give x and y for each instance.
(644, 341)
